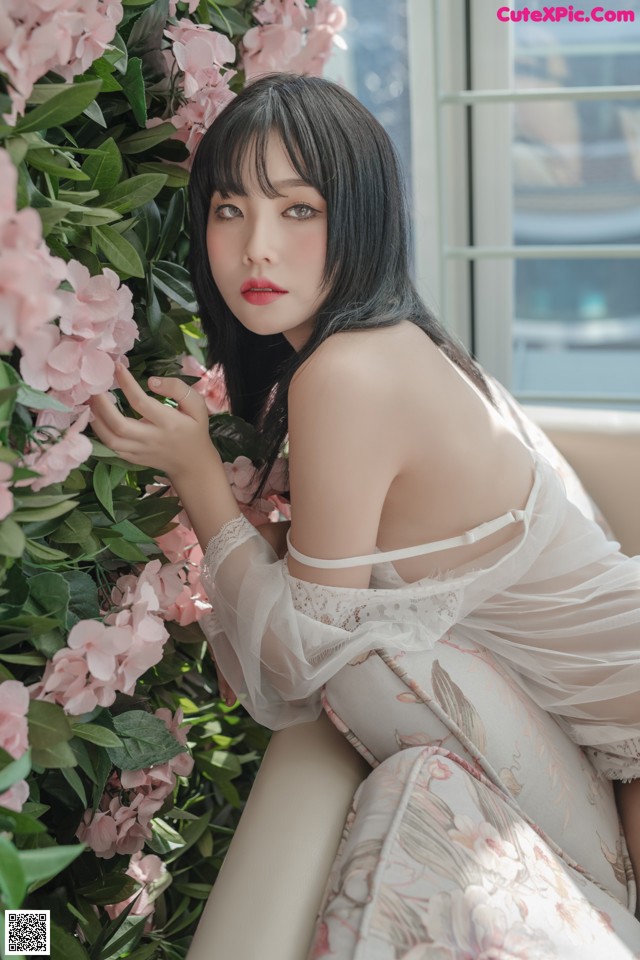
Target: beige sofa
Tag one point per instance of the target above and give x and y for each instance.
(264, 904)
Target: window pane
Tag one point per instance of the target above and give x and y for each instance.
(576, 176)
(375, 68)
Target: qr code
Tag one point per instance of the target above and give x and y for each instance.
(26, 931)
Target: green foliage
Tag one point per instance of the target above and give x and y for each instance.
(110, 193)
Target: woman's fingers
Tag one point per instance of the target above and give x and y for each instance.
(139, 401)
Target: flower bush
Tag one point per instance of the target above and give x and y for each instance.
(122, 772)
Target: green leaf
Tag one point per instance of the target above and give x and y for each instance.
(117, 54)
(64, 105)
(48, 724)
(174, 281)
(132, 533)
(102, 487)
(46, 862)
(48, 596)
(172, 225)
(38, 400)
(123, 943)
(175, 176)
(126, 551)
(74, 781)
(13, 883)
(28, 659)
(134, 192)
(147, 138)
(134, 91)
(83, 595)
(16, 770)
(164, 838)
(229, 22)
(12, 539)
(112, 888)
(118, 251)
(104, 169)
(44, 553)
(19, 823)
(29, 515)
(52, 161)
(56, 757)
(64, 946)
(76, 528)
(97, 734)
(146, 740)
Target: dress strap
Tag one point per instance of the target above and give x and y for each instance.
(471, 536)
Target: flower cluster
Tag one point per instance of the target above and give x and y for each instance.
(61, 35)
(73, 361)
(292, 37)
(151, 873)
(29, 274)
(121, 824)
(103, 658)
(199, 53)
(14, 703)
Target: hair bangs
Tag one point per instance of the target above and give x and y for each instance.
(241, 144)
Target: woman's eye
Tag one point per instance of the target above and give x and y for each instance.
(304, 211)
(226, 211)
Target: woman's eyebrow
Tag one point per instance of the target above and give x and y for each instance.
(292, 182)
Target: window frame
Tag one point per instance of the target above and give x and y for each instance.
(461, 128)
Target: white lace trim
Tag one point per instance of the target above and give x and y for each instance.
(231, 535)
(349, 609)
(617, 761)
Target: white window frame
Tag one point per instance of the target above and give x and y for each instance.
(467, 274)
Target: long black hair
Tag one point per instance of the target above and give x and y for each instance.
(338, 147)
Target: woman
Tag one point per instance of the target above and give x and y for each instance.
(415, 508)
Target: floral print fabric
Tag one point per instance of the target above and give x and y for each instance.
(436, 864)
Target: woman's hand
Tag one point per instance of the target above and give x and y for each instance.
(224, 689)
(166, 438)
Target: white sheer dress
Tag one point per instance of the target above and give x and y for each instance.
(559, 604)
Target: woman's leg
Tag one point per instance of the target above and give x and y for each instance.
(628, 798)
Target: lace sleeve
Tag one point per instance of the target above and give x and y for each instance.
(278, 639)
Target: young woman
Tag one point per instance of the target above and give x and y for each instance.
(416, 510)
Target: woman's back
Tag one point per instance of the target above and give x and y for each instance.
(460, 464)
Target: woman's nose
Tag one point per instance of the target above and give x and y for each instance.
(259, 242)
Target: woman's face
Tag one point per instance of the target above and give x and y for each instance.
(278, 243)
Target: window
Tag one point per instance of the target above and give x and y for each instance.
(537, 167)
(521, 146)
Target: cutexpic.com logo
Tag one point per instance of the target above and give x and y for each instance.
(567, 14)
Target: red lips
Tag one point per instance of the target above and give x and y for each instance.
(262, 284)
(261, 291)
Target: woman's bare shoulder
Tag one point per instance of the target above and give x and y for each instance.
(389, 352)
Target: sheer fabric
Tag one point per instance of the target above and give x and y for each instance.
(559, 604)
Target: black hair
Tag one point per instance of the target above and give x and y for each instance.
(338, 147)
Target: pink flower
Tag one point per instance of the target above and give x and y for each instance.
(29, 274)
(16, 796)
(14, 704)
(211, 385)
(14, 738)
(6, 497)
(55, 461)
(99, 644)
(292, 37)
(99, 310)
(45, 35)
(98, 831)
(241, 475)
(195, 116)
(151, 873)
(197, 47)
